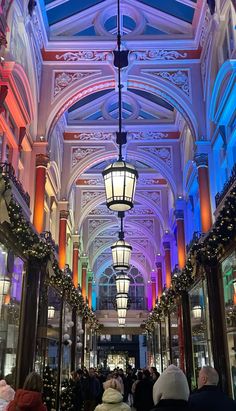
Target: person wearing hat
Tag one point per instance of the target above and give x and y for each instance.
(171, 391)
(112, 399)
(6, 395)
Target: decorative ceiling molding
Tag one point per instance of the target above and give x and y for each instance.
(102, 210)
(85, 55)
(111, 136)
(180, 78)
(79, 153)
(162, 153)
(150, 55)
(96, 223)
(148, 223)
(90, 136)
(154, 195)
(90, 181)
(88, 196)
(151, 181)
(63, 79)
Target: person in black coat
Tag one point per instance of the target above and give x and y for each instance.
(209, 397)
(171, 391)
(143, 393)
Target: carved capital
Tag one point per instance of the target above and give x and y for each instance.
(159, 265)
(64, 214)
(179, 214)
(76, 245)
(201, 160)
(42, 160)
(166, 245)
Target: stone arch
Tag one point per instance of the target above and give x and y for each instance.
(166, 91)
(94, 159)
(113, 224)
(110, 242)
(20, 50)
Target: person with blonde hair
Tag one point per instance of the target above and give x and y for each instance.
(112, 398)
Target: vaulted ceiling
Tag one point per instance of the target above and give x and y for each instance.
(161, 88)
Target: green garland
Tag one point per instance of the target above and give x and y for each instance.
(204, 251)
(32, 245)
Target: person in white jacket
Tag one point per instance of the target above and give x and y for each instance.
(112, 399)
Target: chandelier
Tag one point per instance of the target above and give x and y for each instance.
(120, 177)
(121, 301)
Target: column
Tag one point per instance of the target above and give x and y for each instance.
(40, 181)
(166, 245)
(179, 215)
(75, 263)
(90, 283)
(204, 191)
(159, 279)
(62, 239)
(84, 280)
(154, 291)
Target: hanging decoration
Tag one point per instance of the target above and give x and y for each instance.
(34, 246)
(204, 251)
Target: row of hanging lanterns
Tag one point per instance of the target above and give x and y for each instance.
(120, 180)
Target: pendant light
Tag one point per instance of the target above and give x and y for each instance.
(121, 312)
(122, 283)
(120, 177)
(121, 301)
(121, 322)
(121, 250)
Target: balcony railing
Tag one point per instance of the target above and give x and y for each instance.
(8, 170)
(108, 303)
(229, 183)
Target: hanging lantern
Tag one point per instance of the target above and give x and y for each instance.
(234, 284)
(121, 312)
(51, 312)
(197, 311)
(122, 283)
(5, 284)
(121, 253)
(120, 184)
(121, 321)
(121, 301)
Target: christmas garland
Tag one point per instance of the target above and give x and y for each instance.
(32, 245)
(204, 251)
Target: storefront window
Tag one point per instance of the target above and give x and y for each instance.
(66, 343)
(174, 336)
(11, 277)
(229, 284)
(165, 342)
(199, 314)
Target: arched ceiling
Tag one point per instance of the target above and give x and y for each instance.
(159, 98)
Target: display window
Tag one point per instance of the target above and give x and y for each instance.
(228, 268)
(174, 338)
(164, 335)
(200, 328)
(11, 279)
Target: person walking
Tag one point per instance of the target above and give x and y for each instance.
(209, 396)
(30, 397)
(171, 391)
(143, 393)
(6, 395)
(112, 399)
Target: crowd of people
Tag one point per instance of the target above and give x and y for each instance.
(144, 390)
